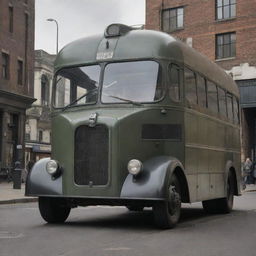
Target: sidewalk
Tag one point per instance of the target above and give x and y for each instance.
(8, 195)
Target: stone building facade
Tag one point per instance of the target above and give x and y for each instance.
(224, 31)
(16, 77)
(38, 126)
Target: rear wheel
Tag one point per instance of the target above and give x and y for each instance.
(167, 213)
(53, 210)
(222, 205)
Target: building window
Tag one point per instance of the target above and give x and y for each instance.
(172, 19)
(20, 72)
(27, 136)
(44, 90)
(225, 9)
(11, 19)
(40, 136)
(225, 45)
(5, 65)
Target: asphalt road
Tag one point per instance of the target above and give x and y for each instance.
(111, 231)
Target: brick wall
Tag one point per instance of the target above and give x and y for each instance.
(201, 25)
(14, 44)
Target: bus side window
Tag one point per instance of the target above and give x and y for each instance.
(201, 91)
(230, 106)
(236, 110)
(212, 98)
(174, 87)
(222, 102)
(190, 85)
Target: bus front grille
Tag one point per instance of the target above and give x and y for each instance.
(91, 155)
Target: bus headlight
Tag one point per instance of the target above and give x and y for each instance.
(134, 167)
(52, 167)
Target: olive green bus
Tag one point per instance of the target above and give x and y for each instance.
(139, 119)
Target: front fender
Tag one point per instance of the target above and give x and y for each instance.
(40, 183)
(150, 184)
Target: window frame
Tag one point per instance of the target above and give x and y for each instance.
(222, 8)
(169, 10)
(161, 73)
(20, 72)
(205, 91)
(11, 18)
(45, 87)
(230, 96)
(5, 66)
(209, 83)
(185, 86)
(231, 43)
(178, 68)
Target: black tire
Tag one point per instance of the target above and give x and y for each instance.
(167, 213)
(53, 210)
(222, 205)
(135, 208)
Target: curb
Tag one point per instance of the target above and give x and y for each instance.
(19, 201)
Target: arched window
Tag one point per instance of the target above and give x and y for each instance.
(44, 90)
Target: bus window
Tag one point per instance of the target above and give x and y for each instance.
(74, 83)
(229, 107)
(222, 102)
(212, 98)
(174, 87)
(190, 84)
(201, 91)
(236, 110)
(138, 81)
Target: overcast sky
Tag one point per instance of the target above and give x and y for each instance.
(80, 18)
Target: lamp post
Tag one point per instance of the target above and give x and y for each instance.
(57, 40)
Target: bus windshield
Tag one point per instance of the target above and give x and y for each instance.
(77, 85)
(137, 81)
(126, 82)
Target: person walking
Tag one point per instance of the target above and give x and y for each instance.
(247, 169)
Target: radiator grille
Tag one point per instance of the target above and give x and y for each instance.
(91, 155)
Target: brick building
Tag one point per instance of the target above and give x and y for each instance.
(16, 76)
(224, 31)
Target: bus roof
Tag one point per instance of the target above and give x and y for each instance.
(141, 44)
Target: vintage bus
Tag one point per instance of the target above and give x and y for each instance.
(139, 119)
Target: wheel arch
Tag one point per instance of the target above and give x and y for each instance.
(234, 178)
(231, 168)
(178, 171)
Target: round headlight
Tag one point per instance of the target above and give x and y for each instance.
(134, 166)
(52, 167)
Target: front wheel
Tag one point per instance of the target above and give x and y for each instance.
(222, 205)
(53, 210)
(167, 213)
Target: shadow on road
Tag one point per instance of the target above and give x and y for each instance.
(124, 219)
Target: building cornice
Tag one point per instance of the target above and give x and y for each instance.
(15, 100)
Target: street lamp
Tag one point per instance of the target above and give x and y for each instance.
(57, 40)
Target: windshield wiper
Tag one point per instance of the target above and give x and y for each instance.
(126, 100)
(75, 101)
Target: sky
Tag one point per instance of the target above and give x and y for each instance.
(81, 18)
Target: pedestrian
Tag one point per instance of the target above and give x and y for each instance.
(254, 172)
(247, 169)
